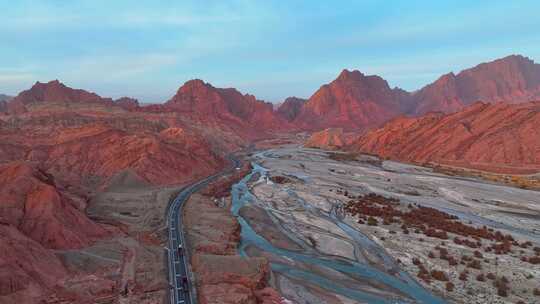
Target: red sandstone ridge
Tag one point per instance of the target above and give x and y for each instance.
(511, 79)
(55, 91)
(92, 151)
(4, 103)
(489, 136)
(290, 108)
(36, 215)
(329, 139)
(353, 101)
(197, 98)
(32, 203)
(127, 103)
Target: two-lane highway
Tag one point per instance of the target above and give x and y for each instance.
(180, 276)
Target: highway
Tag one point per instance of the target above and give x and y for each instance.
(180, 275)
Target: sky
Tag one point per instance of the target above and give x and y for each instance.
(272, 49)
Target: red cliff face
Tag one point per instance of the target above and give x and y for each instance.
(228, 106)
(512, 79)
(93, 150)
(55, 91)
(32, 202)
(36, 215)
(483, 135)
(290, 108)
(330, 139)
(353, 101)
(127, 103)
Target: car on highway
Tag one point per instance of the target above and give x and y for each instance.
(185, 284)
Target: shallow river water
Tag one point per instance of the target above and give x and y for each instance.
(445, 193)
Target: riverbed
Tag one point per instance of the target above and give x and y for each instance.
(320, 255)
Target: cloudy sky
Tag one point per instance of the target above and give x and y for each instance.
(272, 49)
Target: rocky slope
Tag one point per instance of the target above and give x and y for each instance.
(57, 92)
(247, 115)
(4, 97)
(290, 108)
(92, 150)
(33, 203)
(330, 139)
(353, 101)
(127, 103)
(36, 214)
(511, 79)
(494, 137)
(4, 103)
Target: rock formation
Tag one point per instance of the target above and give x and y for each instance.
(226, 106)
(329, 139)
(353, 101)
(55, 91)
(511, 79)
(494, 137)
(290, 108)
(127, 103)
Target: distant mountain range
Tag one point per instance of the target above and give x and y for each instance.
(355, 101)
(4, 97)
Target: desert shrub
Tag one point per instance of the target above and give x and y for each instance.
(372, 221)
(534, 260)
(439, 275)
(474, 264)
(449, 286)
(480, 278)
(502, 286)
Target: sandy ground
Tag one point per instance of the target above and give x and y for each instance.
(296, 215)
(129, 268)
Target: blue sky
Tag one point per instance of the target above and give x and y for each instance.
(272, 49)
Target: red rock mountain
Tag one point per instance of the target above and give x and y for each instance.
(4, 97)
(96, 149)
(330, 139)
(511, 79)
(36, 215)
(32, 202)
(353, 101)
(494, 137)
(55, 91)
(290, 108)
(197, 98)
(3, 106)
(60, 151)
(127, 103)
